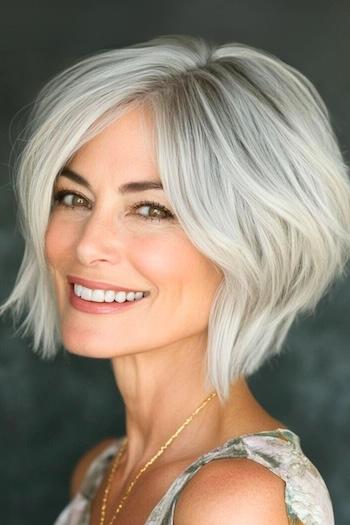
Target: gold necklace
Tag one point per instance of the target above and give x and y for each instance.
(145, 467)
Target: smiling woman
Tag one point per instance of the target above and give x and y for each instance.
(193, 202)
(121, 243)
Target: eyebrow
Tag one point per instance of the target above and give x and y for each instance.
(128, 187)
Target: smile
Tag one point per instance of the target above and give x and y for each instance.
(91, 306)
(106, 296)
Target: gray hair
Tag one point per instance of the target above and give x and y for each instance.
(249, 162)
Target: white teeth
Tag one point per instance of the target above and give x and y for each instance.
(107, 296)
(98, 296)
(86, 294)
(130, 296)
(77, 289)
(120, 297)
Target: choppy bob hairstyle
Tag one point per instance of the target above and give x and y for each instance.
(249, 161)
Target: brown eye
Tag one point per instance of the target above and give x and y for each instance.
(161, 212)
(70, 199)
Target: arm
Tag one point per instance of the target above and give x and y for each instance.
(232, 492)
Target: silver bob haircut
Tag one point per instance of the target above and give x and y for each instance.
(249, 161)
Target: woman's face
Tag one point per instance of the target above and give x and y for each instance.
(110, 238)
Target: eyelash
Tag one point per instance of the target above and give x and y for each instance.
(60, 194)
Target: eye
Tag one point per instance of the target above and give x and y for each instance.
(161, 212)
(69, 199)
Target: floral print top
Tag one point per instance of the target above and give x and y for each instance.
(306, 496)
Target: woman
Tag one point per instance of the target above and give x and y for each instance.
(181, 203)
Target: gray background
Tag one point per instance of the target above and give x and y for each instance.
(51, 412)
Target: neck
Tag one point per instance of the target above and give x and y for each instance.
(160, 389)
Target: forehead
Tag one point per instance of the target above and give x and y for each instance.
(130, 135)
(122, 154)
(125, 147)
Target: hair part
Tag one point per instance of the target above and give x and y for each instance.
(249, 161)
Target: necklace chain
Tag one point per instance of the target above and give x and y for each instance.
(144, 468)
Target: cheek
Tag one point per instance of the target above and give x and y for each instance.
(58, 243)
(173, 263)
(163, 259)
(185, 283)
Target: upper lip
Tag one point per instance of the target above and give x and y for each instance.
(94, 285)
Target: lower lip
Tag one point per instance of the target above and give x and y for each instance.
(92, 307)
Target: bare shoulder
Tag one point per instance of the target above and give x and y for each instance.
(84, 462)
(235, 491)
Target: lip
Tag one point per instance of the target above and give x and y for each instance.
(98, 285)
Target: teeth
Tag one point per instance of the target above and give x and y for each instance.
(109, 296)
(105, 296)
(120, 297)
(86, 294)
(98, 296)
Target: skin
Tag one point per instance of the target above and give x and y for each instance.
(157, 347)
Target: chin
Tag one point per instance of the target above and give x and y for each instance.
(83, 352)
(88, 348)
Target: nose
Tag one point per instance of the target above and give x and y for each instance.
(99, 240)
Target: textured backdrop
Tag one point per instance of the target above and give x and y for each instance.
(51, 412)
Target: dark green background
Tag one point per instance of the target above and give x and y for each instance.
(51, 412)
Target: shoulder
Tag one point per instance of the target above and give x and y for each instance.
(232, 491)
(85, 461)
